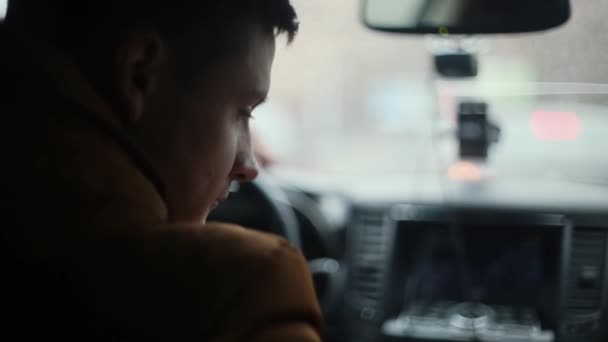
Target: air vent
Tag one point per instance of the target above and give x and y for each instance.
(587, 267)
(369, 257)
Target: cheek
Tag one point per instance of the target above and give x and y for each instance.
(226, 149)
(219, 145)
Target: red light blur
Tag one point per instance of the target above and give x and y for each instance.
(555, 126)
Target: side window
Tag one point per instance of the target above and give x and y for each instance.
(3, 6)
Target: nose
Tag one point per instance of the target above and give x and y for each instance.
(245, 168)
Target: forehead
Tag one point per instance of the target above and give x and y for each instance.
(259, 53)
(251, 63)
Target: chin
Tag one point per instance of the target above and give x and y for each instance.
(190, 216)
(204, 216)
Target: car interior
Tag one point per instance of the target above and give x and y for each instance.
(442, 166)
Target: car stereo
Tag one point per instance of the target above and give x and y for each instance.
(475, 281)
(427, 273)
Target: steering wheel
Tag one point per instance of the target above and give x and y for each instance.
(261, 205)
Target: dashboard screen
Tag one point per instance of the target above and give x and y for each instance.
(492, 265)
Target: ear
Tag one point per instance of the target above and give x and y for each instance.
(139, 65)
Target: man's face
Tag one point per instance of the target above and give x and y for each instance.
(198, 136)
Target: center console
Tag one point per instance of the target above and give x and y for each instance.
(468, 321)
(428, 274)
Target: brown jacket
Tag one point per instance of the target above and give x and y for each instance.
(89, 252)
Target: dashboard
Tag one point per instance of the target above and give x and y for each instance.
(437, 273)
(494, 262)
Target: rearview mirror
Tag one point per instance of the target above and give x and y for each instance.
(464, 16)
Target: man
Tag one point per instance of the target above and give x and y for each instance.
(126, 121)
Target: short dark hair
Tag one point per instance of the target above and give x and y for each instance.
(80, 24)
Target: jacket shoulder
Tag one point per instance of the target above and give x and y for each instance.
(239, 241)
(275, 296)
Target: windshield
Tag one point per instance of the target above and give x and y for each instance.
(350, 102)
(347, 101)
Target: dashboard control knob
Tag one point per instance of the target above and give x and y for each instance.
(471, 316)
